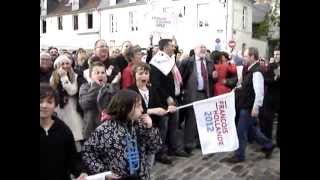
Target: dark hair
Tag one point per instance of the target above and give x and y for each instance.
(122, 103)
(191, 53)
(51, 47)
(140, 65)
(225, 54)
(47, 91)
(93, 59)
(94, 64)
(215, 56)
(252, 51)
(163, 43)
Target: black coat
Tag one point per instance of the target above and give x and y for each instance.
(58, 156)
(45, 76)
(165, 84)
(154, 101)
(120, 62)
(245, 95)
(272, 94)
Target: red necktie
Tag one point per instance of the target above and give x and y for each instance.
(204, 75)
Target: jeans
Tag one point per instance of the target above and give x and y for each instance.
(168, 131)
(247, 124)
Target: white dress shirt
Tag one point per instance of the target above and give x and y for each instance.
(199, 76)
(258, 86)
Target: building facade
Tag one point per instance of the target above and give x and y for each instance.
(79, 23)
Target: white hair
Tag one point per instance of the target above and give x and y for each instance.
(60, 59)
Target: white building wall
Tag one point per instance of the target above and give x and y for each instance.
(187, 32)
(68, 38)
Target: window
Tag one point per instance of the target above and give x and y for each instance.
(202, 15)
(244, 17)
(89, 21)
(113, 23)
(60, 23)
(75, 22)
(44, 26)
(132, 23)
(122, 1)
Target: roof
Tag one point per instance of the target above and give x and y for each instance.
(60, 7)
(123, 3)
(259, 12)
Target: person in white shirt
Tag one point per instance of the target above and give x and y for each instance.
(250, 99)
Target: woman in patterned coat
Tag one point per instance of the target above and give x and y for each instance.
(122, 144)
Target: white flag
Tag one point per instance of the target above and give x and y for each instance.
(216, 123)
(100, 176)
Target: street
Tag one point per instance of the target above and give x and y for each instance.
(199, 167)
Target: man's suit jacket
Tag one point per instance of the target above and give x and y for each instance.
(188, 72)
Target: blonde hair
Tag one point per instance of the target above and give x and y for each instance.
(132, 50)
(55, 77)
(60, 59)
(82, 57)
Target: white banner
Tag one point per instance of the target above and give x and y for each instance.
(157, 22)
(216, 123)
(100, 176)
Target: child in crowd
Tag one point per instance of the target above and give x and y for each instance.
(88, 96)
(152, 104)
(123, 144)
(58, 155)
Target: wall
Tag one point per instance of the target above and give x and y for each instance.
(68, 37)
(187, 32)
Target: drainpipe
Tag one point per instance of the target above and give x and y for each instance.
(226, 45)
(99, 12)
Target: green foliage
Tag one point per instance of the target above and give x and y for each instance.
(261, 29)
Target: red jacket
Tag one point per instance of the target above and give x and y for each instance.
(127, 77)
(223, 71)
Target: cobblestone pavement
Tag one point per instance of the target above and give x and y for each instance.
(199, 167)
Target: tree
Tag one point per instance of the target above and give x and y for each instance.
(260, 30)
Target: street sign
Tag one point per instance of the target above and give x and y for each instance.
(232, 43)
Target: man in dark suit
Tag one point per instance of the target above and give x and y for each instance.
(163, 79)
(271, 103)
(198, 76)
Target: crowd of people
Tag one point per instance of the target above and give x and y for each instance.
(102, 112)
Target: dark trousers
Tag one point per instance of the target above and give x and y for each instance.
(191, 138)
(168, 131)
(266, 122)
(246, 124)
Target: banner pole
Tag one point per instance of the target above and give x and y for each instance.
(184, 106)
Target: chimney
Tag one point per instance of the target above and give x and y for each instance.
(75, 5)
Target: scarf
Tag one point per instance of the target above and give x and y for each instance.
(177, 79)
(163, 62)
